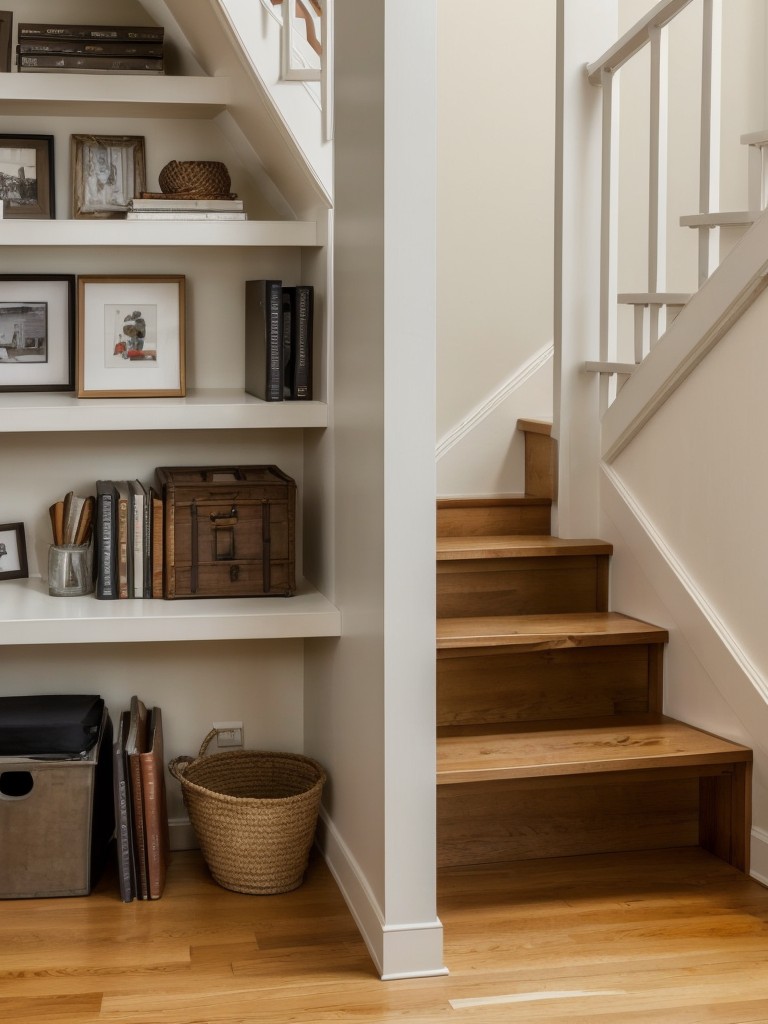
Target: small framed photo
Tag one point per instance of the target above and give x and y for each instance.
(130, 337)
(108, 171)
(37, 332)
(6, 31)
(13, 552)
(26, 176)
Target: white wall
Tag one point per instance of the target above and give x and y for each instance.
(496, 111)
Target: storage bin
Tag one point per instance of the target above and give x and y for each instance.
(56, 820)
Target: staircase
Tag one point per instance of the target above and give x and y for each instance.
(551, 738)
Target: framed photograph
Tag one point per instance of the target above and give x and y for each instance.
(107, 172)
(13, 552)
(37, 332)
(26, 176)
(130, 337)
(6, 29)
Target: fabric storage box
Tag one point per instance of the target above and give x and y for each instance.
(56, 816)
(229, 531)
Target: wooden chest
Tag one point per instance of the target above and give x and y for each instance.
(229, 531)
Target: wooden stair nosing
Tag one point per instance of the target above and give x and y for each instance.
(554, 631)
(535, 427)
(517, 546)
(525, 751)
(510, 500)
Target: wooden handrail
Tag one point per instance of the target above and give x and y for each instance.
(302, 12)
(635, 39)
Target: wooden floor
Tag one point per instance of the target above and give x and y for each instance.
(577, 940)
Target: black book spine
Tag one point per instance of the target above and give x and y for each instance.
(70, 62)
(289, 297)
(303, 334)
(264, 339)
(104, 535)
(115, 33)
(89, 48)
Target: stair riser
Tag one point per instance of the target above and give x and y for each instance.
(548, 685)
(522, 586)
(493, 520)
(540, 465)
(503, 821)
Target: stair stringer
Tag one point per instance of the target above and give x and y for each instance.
(711, 681)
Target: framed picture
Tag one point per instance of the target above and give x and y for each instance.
(6, 29)
(13, 552)
(26, 176)
(107, 172)
(37, 332)
(130, 337)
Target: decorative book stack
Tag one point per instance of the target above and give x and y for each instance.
(279, 338)
(157, 209)
(88, 49)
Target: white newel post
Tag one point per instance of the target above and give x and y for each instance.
(585, 29)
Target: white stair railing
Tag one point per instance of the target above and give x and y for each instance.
(655, 309)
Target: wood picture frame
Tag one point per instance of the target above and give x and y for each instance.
(37, 332)
(6, 34)
(13, 552)
(131, 336)
(108, 171)
(26, 176)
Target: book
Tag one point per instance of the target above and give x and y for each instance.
(123, 545)
(186, 215)
(90, 48)
(150, 204)
(70, 62)
(158, 543)
(105, 551)
(135, 745)
(118, 33)
(264, 339)
(298, 371)
(137, 531)
(126, 862)
(156, 832)
(288, 302)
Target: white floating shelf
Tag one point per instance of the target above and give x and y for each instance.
(28, 615)
(169, 233)
(38, 412)
(52, 94)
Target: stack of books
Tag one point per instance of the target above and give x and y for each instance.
(141, 815)
(155, 208)
(109, 49)
(128, 552)
(279, 333)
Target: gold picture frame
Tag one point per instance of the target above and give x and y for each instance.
(131, 336)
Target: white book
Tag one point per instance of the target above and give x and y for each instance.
(187, 215)
(186, 204)
(138, 498)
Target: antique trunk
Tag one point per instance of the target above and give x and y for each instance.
(229, 531)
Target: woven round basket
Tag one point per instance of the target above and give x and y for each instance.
(195, 179)
(254, 814)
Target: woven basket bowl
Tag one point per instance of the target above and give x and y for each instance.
(195, 178)
(254, 814)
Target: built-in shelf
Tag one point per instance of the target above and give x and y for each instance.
(28, 615)
(37, 412)
(166, 233)
(67, 94)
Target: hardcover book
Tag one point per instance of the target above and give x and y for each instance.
(126, 862)
(298, 370)
(152, 763)
(70, 62)
(117, 33)
(135, 745)
(105, 551)
(264, 339)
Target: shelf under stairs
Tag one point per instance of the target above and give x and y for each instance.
(551, 738)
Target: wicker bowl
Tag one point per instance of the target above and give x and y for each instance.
(196, 179)
(254, 814)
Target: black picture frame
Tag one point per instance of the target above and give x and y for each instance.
(6, 33)
(37, 332)
(13, 551)
(25, 197)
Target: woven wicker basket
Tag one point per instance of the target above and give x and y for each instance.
(254, 814)
(195, 179)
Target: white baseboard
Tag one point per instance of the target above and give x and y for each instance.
(758, 867)
(412, 950)
(182, 834)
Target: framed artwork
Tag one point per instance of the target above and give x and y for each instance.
(37, 332)
(108, 171)
(130, 336)
(26, 176)
(13, 552)
(6, 31)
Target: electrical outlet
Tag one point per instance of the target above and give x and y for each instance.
(229, 734)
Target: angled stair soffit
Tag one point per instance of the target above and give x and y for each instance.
(701, 324)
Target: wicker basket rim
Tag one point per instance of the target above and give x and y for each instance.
(238, 756)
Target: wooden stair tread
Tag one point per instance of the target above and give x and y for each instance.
(508, 500)
(517, 546)
(546, 632)
(529, 751)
